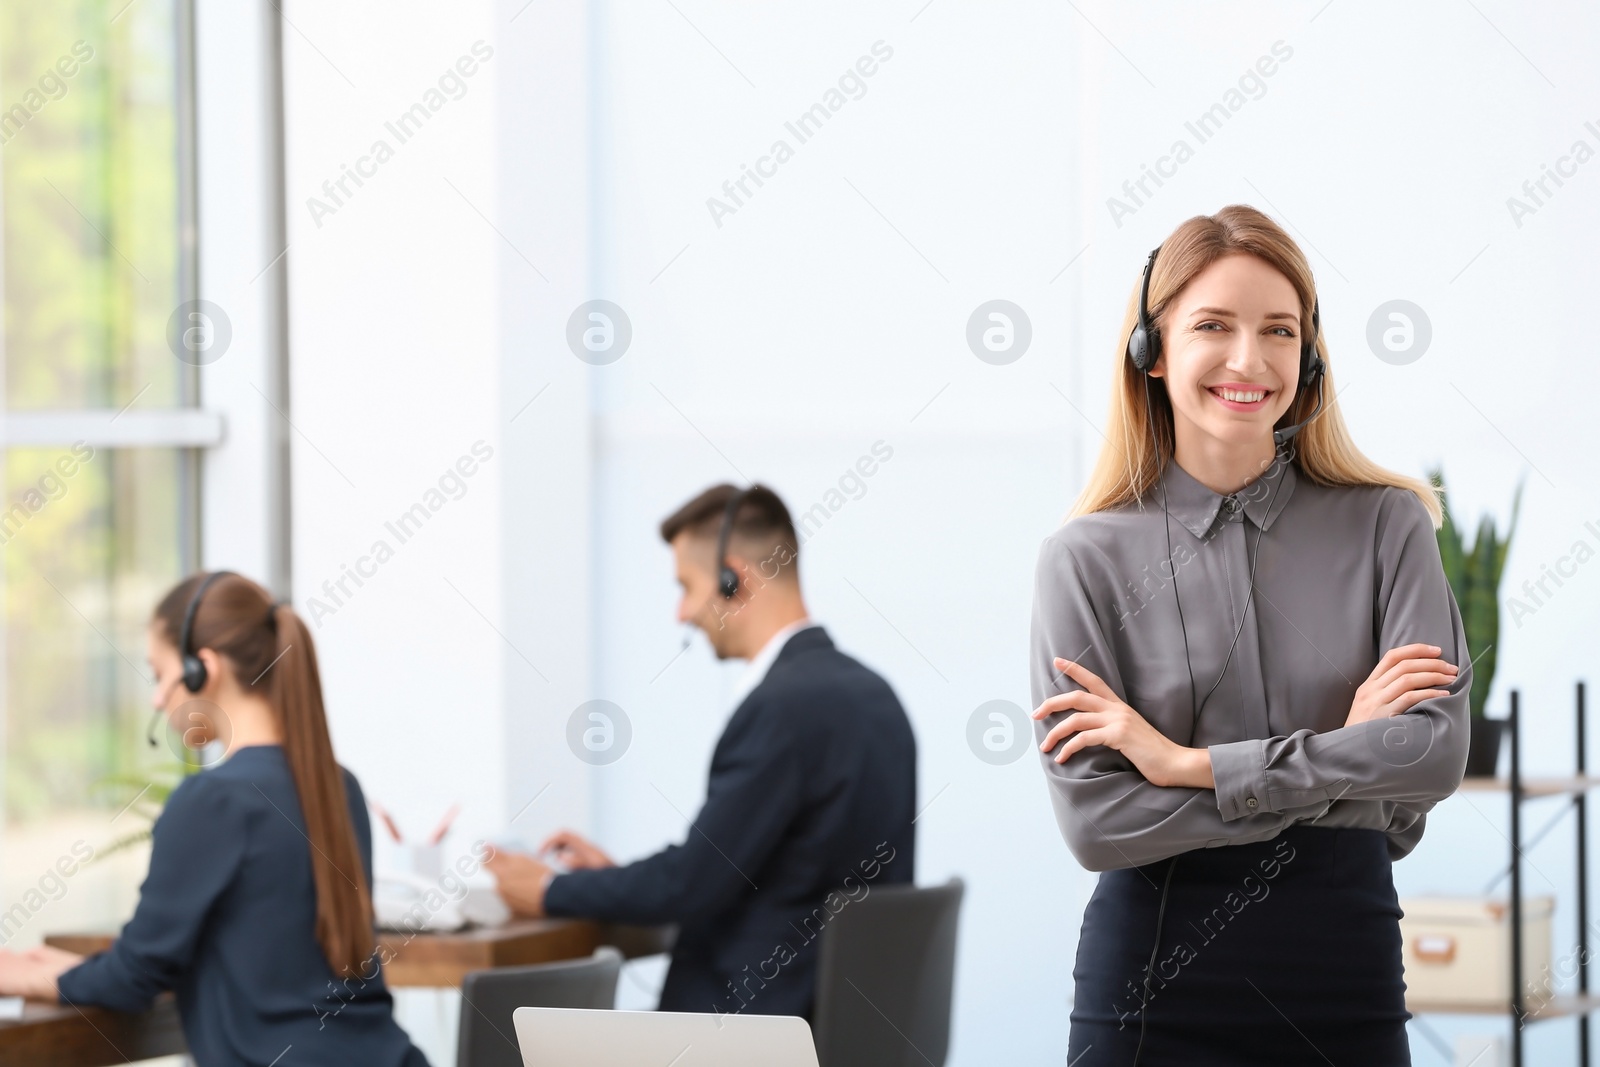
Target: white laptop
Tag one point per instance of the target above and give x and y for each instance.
(577, 1037)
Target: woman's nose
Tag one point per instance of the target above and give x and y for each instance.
(1249, 354)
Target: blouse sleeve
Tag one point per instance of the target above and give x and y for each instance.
(1110, 815)
(1415, 759)
(197, 844)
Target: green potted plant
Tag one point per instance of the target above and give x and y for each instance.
(1474, 575)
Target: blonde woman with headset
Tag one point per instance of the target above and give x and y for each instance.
(1250, 679)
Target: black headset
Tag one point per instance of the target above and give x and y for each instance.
(1144, 344)
(727, 577)
(1144, 348)
(194, 668)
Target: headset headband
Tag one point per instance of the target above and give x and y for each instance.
(194, 669)
(727, 577)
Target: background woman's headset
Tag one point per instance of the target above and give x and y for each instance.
(193, 676)
(194, 668)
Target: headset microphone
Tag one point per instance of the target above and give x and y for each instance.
(1282, 437)
(150, 734)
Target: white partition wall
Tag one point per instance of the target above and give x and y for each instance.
(440, 552)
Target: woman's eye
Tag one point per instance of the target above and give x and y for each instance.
(1203, 325)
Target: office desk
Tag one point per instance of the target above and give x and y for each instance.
(50, 1035)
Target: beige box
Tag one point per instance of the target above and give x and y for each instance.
(1457, 950)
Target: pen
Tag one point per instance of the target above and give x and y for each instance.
(394, 831)
(444, 824)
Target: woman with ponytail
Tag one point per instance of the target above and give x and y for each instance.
(257, 909)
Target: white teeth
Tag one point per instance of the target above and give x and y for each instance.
(1239, 397)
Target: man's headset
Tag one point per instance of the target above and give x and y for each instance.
(1144, 349)
(727, 577)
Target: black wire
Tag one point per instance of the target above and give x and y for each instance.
(1161, 914)
(1150, 420)
(1194, 724)
(1255, 557)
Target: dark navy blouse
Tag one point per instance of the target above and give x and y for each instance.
(227, 918)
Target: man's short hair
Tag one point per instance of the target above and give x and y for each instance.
(762, 528)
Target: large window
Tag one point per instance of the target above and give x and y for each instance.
(100, 508)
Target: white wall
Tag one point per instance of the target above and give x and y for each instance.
(418, 333)
(829, 312)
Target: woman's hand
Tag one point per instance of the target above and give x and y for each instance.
(1401, 679)
(33, 973)
(1099, 718)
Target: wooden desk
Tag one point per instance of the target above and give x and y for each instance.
(51, 1035)
(56, 1035)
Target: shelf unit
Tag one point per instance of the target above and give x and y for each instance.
(1577, 1005)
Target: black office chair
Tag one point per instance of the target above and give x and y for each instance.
(885, 976)
(487, 1038)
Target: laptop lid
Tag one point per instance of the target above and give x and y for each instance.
(576, 1037)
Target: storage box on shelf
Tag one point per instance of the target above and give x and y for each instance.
(1457, 950)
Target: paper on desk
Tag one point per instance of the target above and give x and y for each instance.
(10, 1007)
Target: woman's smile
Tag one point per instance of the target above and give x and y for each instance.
(1240, 396)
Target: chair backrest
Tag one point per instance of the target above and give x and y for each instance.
(487, 1037)
(885, 975)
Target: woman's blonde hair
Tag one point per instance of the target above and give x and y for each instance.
(1131, 459)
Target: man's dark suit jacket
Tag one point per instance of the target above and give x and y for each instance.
(809, 806)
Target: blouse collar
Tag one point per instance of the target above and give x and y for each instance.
(1196, 506)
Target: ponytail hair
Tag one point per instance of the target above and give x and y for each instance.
(270, 648)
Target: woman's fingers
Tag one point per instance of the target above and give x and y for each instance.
(1414, 666)
(1082, 741)
(1077, 700)
(1417, 696)
(1081, 720)
(1411, 682)
(1404, 702)
(1395, 655)
(1083, 676)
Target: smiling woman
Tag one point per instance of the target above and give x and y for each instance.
(1224, 454)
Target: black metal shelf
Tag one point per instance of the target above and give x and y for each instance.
(1577, 788)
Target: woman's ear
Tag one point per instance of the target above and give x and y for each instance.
(215, 668)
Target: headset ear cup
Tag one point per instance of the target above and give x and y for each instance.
(728, 582)
(1144, 348)
(194, 673)
(1312, 371)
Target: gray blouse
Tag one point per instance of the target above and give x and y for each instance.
(1344, 575)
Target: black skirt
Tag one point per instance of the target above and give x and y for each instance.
(1281, 952)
